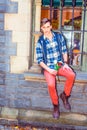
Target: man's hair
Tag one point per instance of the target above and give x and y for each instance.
(44, 21)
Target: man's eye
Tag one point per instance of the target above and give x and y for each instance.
(46, 27)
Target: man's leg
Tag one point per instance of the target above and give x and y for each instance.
(70, 76)
(51, 82)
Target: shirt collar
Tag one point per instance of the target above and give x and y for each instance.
(52, 33)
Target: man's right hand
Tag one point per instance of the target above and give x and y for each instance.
(52, 71)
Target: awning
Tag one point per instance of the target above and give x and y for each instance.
(57, 2)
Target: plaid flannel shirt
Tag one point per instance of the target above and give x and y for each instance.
(53, 50)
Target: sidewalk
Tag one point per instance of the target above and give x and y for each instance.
(42, 119)
(69, 121)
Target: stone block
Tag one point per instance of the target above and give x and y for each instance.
(10, 113)
(1, 17)
(22, 49)
(20, 37)
(20, 20)
(1, 25)
(2, 79)
(42, 102)
(11, 7)
(2, 8)
(2, 51)
(2, 33)
(3, 67)
(2, 38)
(19, 64)
(24, 7)
(29, 114)
(2, 1)
(22, 103)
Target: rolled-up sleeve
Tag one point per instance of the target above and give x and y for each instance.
(39, 53)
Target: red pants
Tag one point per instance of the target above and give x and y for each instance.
(51, 82)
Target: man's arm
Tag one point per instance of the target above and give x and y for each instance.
(66, 66)
(45, 67)
(65, 57)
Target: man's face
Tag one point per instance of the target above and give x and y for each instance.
(46, 28)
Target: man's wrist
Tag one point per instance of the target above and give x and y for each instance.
(65, 62)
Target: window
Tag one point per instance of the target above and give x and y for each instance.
(68, 17)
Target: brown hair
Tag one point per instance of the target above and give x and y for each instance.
(44, 21)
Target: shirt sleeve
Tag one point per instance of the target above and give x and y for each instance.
(39, 53)
(63, 44)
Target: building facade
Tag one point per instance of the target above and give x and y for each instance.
(22, 85)
(25, 33)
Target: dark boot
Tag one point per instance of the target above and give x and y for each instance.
(56, 112)
(65, 101)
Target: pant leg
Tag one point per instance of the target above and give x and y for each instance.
(70, 77)
(51, 82)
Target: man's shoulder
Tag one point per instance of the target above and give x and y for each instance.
(58, 34)
(41, 39)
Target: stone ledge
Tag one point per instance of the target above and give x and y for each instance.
(81, 77)
(40, 118)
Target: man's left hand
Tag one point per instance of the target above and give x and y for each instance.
(65, 66)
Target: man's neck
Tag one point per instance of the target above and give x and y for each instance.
(49, 36)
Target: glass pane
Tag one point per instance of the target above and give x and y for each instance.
(79, 2)
(66, 16)
(45, 12)
(76, 49)
(71, 19)
(56, 3)
(66, 2)
(55, 13)
(73, 40)
(70, 2)
(55, 20)
(71, 23)
(45, 2)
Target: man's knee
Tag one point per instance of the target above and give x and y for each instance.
(71, 75)
(51, 86)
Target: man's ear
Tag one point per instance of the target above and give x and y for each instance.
(51, 26)
(41, 29)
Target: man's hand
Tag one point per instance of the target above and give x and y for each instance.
(52, 71)
(66, 67)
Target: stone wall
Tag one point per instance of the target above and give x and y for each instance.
(17, 24)
(29, 91)
(24, 100)
(5, 47)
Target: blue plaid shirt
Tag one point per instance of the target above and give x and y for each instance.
(52, 49)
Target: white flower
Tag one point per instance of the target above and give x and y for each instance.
(55, 61)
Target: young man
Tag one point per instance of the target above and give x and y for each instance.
(50, 49)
